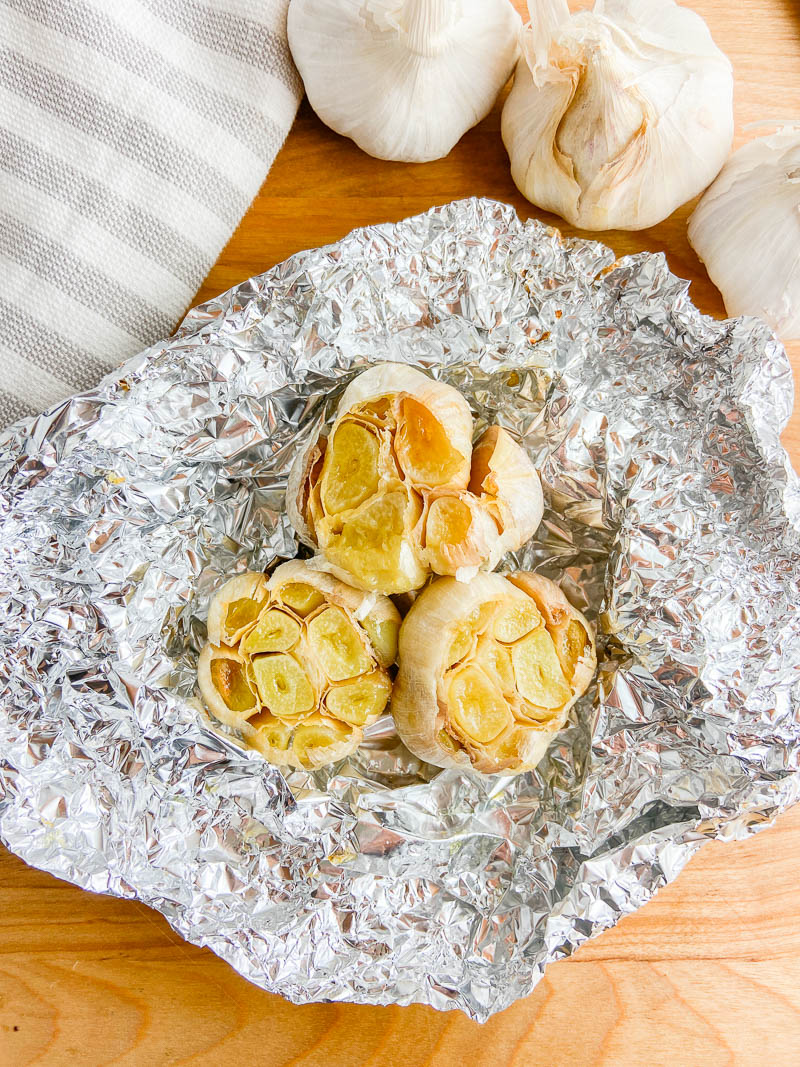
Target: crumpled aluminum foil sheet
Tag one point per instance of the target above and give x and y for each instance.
(673, 518)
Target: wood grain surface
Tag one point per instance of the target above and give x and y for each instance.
(707, 973)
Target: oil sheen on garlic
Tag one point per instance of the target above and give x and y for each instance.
(489, 670)
(298, 664)
(618, 115)
(396, 490)
(403, 78)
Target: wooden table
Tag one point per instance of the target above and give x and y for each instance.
(708, 972)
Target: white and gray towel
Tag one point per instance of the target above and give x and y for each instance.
(133, 136)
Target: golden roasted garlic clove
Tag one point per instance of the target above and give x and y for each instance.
(235, 608)
(223, 683)
(460, 535)
(488, 671)
(396, 491)
(308, 672)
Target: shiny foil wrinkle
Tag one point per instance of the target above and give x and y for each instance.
(672, 520)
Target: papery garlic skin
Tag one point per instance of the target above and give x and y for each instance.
(502, 475)
(618, 115)
(395, 491)
(746, 230)
(308, 673)
(405, 79)
(472, 658)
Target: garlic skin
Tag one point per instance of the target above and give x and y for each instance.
(502, 475)
(618, 115)
(309, 670)
(405, 79)
(488, 671)
(746, 230)
(395, 490)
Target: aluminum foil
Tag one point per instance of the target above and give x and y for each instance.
(672, 519)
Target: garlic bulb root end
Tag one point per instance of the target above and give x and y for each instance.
(405, 79)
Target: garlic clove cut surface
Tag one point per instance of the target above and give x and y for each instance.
(309, 671)
(396, 491)
(618, 115)
(235, 607)
(489, 670)
(224, 685)
(459, 533)
(404, 79)
(746, 230)
(435, 433)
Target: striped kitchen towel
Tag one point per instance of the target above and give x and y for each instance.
(133, 136)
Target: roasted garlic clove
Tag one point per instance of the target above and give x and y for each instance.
(283, 684)
(488, 671)
(376, 547)
(572, 637)
(309, 672)
(360, 701)
(275, 631)
(314, 742)
(395, 491)
(236, 607)
(432, 419)
(224, 686)
(338, 645)
(460, 535)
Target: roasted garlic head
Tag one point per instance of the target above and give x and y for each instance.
(298, 663)
(488, 671)
(397, 491)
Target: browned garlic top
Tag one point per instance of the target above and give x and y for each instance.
(298, 663)
(489, 670)
(396, 491)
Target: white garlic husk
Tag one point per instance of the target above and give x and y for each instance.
(502, 476)
(617, 115)
(405, 79)
(746, 230)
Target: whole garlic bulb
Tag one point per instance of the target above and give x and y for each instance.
(397, 491)
(298, 663)
(746, 229)
(488, 671)
(617, 115)
(405, 79)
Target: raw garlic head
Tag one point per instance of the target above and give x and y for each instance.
(617, 115)
(395, 491)
(488, 671)
(746, 229)
(309, 669)
(403, 78)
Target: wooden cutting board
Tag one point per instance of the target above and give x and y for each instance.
(707, 973)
